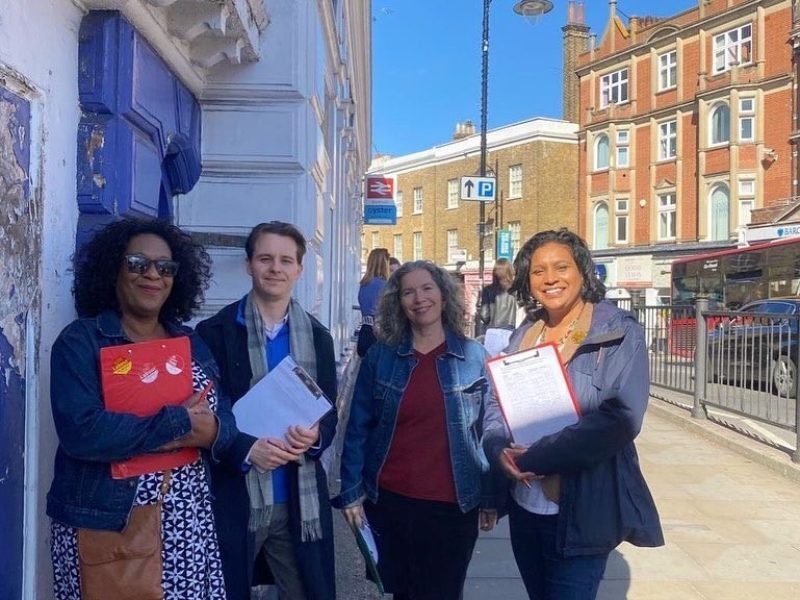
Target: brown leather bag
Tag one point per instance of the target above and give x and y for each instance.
(124, 565)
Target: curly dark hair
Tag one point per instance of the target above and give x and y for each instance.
(593, 289)
(99, 260)
(391, 322)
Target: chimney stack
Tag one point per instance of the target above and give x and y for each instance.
(576, 42)
(465, 129)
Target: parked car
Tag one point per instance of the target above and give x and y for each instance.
(758, 344)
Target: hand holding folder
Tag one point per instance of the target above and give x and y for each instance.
(141, 379)
(369, 550)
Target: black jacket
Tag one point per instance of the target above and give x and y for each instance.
(227, 338)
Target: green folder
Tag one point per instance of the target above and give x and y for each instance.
(369, 550)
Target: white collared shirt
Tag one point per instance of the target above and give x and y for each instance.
(272, 331)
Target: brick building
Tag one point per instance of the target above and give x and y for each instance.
(535, 162)
(686, 131)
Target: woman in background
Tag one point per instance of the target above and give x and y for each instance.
(498, 307)
(369, 293)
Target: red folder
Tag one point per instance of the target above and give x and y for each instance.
(141, 379)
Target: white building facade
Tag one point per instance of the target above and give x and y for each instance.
(109, 108)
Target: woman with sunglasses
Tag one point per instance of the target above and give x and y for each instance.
(135, 281)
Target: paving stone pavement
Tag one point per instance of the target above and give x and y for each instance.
(732, 529)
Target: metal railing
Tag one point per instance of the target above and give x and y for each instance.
(744, 364)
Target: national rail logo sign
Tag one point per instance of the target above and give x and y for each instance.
(379, 203)
(380, 187)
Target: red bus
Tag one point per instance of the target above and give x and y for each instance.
(729, 279)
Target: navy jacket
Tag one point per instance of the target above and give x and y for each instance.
(604, 498)
(83, 494)
(226, 335)
(382, 381)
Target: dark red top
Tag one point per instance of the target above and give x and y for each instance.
(418, 464)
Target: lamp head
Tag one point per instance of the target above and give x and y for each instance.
(533, 8)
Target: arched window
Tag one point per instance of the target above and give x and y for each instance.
(601, 226)
(720, 124)
(720, 207)
(601, 152)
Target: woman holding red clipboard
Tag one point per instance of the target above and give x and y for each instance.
(135, 281)
(577, 493)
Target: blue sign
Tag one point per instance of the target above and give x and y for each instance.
(486, 189)
(481, 189)
(380, 214)
(601, 271)
(504, 244)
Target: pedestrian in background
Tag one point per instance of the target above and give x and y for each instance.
(369, 292)
(498, 307)
(394, 264)
(578, 493)
(412, 459)
(135, 281)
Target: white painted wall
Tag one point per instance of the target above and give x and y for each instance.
(277, 145)
(50, 69)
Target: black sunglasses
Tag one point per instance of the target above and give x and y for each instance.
(136, 263)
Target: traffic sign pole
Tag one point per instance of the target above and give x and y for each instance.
(484, 105)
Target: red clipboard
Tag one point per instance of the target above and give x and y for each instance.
(141, 379)
(557, 415)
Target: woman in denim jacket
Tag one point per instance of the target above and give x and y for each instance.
(578, 493)
(412, 459)
(135, 281)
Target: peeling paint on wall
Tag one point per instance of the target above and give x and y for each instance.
(20, 256)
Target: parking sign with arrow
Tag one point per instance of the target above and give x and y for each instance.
(479, 189)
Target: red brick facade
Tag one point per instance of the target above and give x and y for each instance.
(729, 150)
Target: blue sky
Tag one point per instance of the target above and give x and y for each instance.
(427, 65)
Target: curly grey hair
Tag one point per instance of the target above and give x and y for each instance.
(391, 322)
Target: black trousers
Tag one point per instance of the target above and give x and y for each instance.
(424, 546)
(366, 337)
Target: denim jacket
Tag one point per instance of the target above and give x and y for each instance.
(380, 385)
(83, 494)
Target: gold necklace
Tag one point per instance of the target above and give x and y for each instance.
(563, 340)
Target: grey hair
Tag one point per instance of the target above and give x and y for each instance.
(391, 322)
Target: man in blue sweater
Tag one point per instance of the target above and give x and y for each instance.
(271, 503)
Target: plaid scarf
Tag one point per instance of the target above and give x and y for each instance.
(259, 485)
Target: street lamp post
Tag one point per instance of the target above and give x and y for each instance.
(529, 9)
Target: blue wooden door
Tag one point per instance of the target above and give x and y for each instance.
(139, 134)
(20, 232)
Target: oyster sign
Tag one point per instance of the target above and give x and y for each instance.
(379, 199)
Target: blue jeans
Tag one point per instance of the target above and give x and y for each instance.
(548, 575)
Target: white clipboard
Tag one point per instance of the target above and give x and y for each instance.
(534, 393)
(285, 396)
